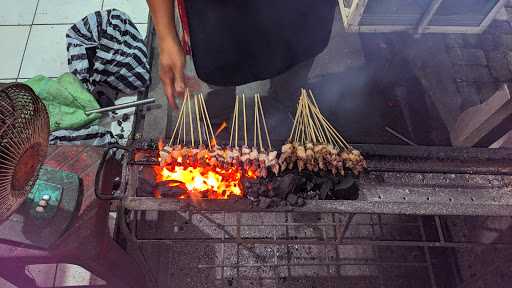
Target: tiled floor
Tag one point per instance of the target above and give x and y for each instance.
(32, 33)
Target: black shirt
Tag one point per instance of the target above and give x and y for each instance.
(235, 42)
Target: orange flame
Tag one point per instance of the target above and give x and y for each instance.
(201, 181)
(221, 127)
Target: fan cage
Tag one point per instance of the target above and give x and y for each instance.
(24, 130)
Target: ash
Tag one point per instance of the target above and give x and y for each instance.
(282, 249)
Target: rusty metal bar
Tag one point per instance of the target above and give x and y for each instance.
(352, 241)
(439, 229)
(325, 206)
(376, 251)
(341, 263)
(427, 255)
(342, 228)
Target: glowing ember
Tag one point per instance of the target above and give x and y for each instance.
(203, 181)
(222, 126)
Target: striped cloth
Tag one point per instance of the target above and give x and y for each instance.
(105, 48)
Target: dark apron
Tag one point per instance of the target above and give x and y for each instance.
(236, 42)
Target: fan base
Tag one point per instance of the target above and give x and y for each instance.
(42, 229)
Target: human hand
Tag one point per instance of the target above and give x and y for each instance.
(172, 66)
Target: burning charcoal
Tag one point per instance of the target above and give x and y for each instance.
(170, 191)
(168, 182)
(265, 202)
(292, 199)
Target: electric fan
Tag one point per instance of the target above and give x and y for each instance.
(24, 129)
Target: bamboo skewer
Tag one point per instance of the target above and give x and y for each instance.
(207, 117)
(177, 124)
(299, 124)
(325, 120)
(198, 123)
(255, 138)
(294, 125)
(191, 123)
(264, 122)
(245, 120)
(202, 123)
(203, 114)
(259, 126)
(184, 117)
(256, 123)
(310, 126)
(235, 112)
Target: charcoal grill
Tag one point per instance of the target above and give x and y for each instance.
(400, 180)
(403, 231)
(417, 191)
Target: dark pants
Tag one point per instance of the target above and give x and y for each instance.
(278, 102)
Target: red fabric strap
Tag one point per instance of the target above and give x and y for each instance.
(185, 35)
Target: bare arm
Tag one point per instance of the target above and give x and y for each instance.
(172, 58)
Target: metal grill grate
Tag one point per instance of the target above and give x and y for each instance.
(285, 249)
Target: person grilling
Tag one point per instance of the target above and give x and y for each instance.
(235, 43)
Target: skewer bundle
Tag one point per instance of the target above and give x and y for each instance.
(315, 145)
(193, 141)
(257, 160)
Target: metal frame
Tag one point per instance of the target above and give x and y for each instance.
(276, 238)
(423, 182)
(352, 16)
(400, 180)
(417, 181)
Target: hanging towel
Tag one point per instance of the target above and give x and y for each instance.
(105, 48)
